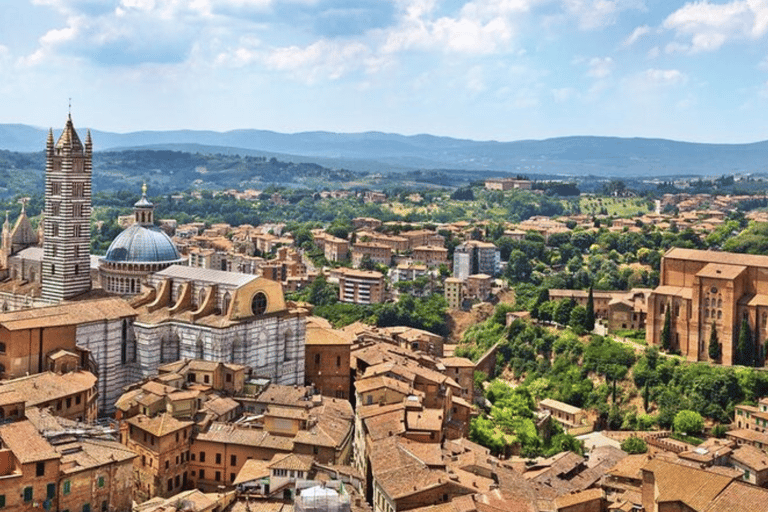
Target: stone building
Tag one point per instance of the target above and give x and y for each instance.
(703, 289)
(193, 313)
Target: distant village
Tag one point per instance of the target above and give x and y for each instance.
(175, 373)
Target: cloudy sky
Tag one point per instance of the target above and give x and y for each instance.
(479, 69)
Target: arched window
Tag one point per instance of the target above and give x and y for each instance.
(259, 303)
(706, 302)
(719, 303)
(706, 313)
(2, 348)
(225, 303)
(719, 315)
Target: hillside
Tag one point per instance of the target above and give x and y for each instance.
(378, 152)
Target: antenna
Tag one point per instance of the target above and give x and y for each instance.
(70, 106)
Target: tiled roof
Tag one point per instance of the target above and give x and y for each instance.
(740, 497)
(206, 275)
(68, 313)
(44, 387)
(292, 462)
(253, 469)
(569, 500)
(26, 443)
(92, 453)
(751, 260)
(160, 425)
(231, 434)
(694, 487)
(751, 457)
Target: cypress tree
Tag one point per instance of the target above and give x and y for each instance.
(714, 344)
(745, 352)
(666, 331)
(589, 322)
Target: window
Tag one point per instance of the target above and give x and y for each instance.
(69, 400)
(2, 500)
(218, 476)
(202, 456)
(202, 474)
(76, 230)
(259, 304)
(229, 377)
(87, 507)
(233, 460)
(167, 464)
(66, 487)
(206, 379)
(2, 348)
(104, 506)
(170, 484)
(56, 188)
(218, 458)
(338, 361)
(232, 477)
(28, 494)
(317, 359)
(50, 491)
(40, 469)
(78, 399)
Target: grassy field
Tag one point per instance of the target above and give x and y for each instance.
(614, 206)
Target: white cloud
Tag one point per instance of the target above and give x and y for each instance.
(320, 60)
(595, 14)
(563, 94)
(664, 77)
(600, 67)
(635, 35)
(708, 26)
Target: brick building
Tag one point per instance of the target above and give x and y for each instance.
(163, 446)
(706, 288)
(327, 359)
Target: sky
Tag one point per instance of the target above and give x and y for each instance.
(479, 69)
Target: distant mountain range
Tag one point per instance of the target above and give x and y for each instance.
(375, 151)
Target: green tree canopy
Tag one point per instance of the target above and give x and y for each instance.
(688, 422)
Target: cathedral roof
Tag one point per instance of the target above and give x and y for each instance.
(69, 137)
(142, 243)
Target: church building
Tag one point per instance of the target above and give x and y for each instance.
(705, 290)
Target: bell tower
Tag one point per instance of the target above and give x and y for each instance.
(67, 230)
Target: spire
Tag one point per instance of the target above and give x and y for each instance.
(69, 138)
(88, 141)
(49, 142)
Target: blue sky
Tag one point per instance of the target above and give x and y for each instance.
(478, 69)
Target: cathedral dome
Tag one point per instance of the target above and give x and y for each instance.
(142, 243)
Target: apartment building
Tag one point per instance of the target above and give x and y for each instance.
(360, 286)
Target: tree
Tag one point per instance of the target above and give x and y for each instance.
(563, 310)
(589, 321)
(634, 445)
(578, 319)
(744, 350)
(714, 345)
(519, 266)
(688, 422)
(666, 331)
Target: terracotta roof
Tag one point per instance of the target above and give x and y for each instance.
(694, 487)
(727, 258)
(253, 469)
(630, 467)
(26, 443)
(740, 497)
(326, 336)
(372, 383)
(721, 271)
(569, 500)
(221, 405)
(44, 387)
(92, 453)
(560, 406)
(457, 362)
(293, 413)
(748, 435)
(68, 313)
(385, 425)
(232, 434)
(160, 425)
(426, 419)
(751, 457)
(292, 462)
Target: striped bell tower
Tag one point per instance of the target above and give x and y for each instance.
(66, 243)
